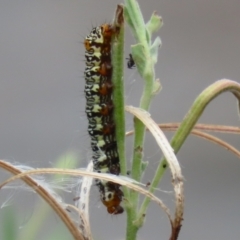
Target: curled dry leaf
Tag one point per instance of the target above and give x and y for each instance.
(124, 181)
(57, 207)
(177, 178)
(83, 203)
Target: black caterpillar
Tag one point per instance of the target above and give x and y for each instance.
(99, 110)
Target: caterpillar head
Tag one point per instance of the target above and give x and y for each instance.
(112, 200)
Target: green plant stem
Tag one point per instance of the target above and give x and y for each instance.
(131, 233)
(187, 125)
(118, 99)
(136, 22)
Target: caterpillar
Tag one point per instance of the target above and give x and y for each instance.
(99, 111)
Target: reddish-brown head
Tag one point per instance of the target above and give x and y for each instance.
(112, 200)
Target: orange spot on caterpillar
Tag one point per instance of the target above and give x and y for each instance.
(106, 110)
(105, 89)
(105, 69)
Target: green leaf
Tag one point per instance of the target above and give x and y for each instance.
(139, 56)
(154, 24)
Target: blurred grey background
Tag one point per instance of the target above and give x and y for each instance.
(42, 101)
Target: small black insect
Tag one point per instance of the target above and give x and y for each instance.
(130, 62)
(148, 184)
